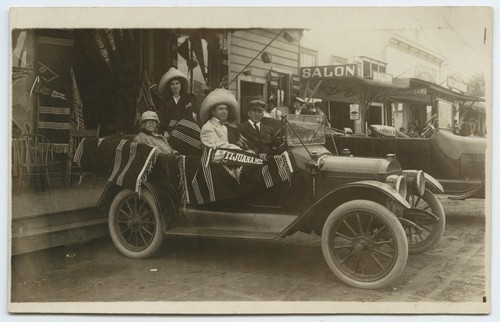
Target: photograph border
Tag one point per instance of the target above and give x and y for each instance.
(85, 17)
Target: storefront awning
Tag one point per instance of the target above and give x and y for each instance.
(345, 88)
(422, 91)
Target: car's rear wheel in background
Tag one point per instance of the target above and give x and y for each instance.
(364, 244)
(426, 224)
(135, 224)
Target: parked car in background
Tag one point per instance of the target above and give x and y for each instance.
(369, 212)
(457, 162)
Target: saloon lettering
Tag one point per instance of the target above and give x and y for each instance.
(333, 71)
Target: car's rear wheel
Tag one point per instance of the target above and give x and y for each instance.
(135, 224)
(364, 244)
(426, 224)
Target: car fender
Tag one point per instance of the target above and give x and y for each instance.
(165, 202)
(433, 184)
(363, 190)
(376, 185)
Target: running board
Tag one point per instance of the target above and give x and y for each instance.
(219, 233)
(232, 224)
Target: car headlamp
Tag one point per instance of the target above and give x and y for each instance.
(398, 183)
(416, 181)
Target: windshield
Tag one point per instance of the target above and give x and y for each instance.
(309, 128)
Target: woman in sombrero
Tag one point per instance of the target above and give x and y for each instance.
(177, 117)
(178, 103)
(218, 110)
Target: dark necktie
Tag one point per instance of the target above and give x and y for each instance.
(223, 122)
(256, 127)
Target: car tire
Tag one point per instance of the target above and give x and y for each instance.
(431, 221)
(364, 232)
(135, 224)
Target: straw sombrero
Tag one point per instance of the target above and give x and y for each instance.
(170, 75)
(216, 97)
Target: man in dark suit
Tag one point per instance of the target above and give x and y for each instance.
(257, 134)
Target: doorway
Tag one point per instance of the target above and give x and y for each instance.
(338, 115)
(374, 115)
(249, 91)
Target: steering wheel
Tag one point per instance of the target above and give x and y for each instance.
(276, 138)
(277, 134)
(428, 126)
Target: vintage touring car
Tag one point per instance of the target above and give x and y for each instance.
(369, 212)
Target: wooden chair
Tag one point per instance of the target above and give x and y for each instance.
(34, 153)
(76, 137)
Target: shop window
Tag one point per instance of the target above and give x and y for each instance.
(280, 85)
(22, 81)
(22, 49)
(307, 60)
(366, 69)
(372, 65)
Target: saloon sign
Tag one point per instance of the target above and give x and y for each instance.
(326, 72)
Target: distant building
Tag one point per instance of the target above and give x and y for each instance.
(308, 57)
(414, 90)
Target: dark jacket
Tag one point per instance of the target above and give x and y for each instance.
(170, 112)
(262, 140)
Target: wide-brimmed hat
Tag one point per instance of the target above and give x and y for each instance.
(170, 75)
(149, 115)
(257, 104)
(216, 97)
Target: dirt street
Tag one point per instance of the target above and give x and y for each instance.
(292, 269)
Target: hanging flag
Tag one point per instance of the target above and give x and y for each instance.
(183, 49)
(197, 46)
(77, 121)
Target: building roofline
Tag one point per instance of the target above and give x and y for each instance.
(427, 51)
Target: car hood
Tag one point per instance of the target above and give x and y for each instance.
(343, 165)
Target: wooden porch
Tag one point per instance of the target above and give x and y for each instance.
(42, 219)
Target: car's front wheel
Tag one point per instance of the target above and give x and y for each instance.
(364, 244)
(135, 224)
(424, 223)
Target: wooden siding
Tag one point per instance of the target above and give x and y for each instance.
(246, 44)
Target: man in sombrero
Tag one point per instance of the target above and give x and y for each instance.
(218, 109)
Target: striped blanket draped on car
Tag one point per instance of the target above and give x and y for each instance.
(185, 137)
(225, 174)
(123, 162)
(218, 174)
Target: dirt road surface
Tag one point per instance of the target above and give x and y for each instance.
(292, 269)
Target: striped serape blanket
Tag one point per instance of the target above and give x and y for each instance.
(185, 137)
(123, 162)
(212, 178)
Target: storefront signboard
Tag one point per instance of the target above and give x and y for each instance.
(382, 77)
(457, 85)
(406, 91)
(328, 72)
(354, 111)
